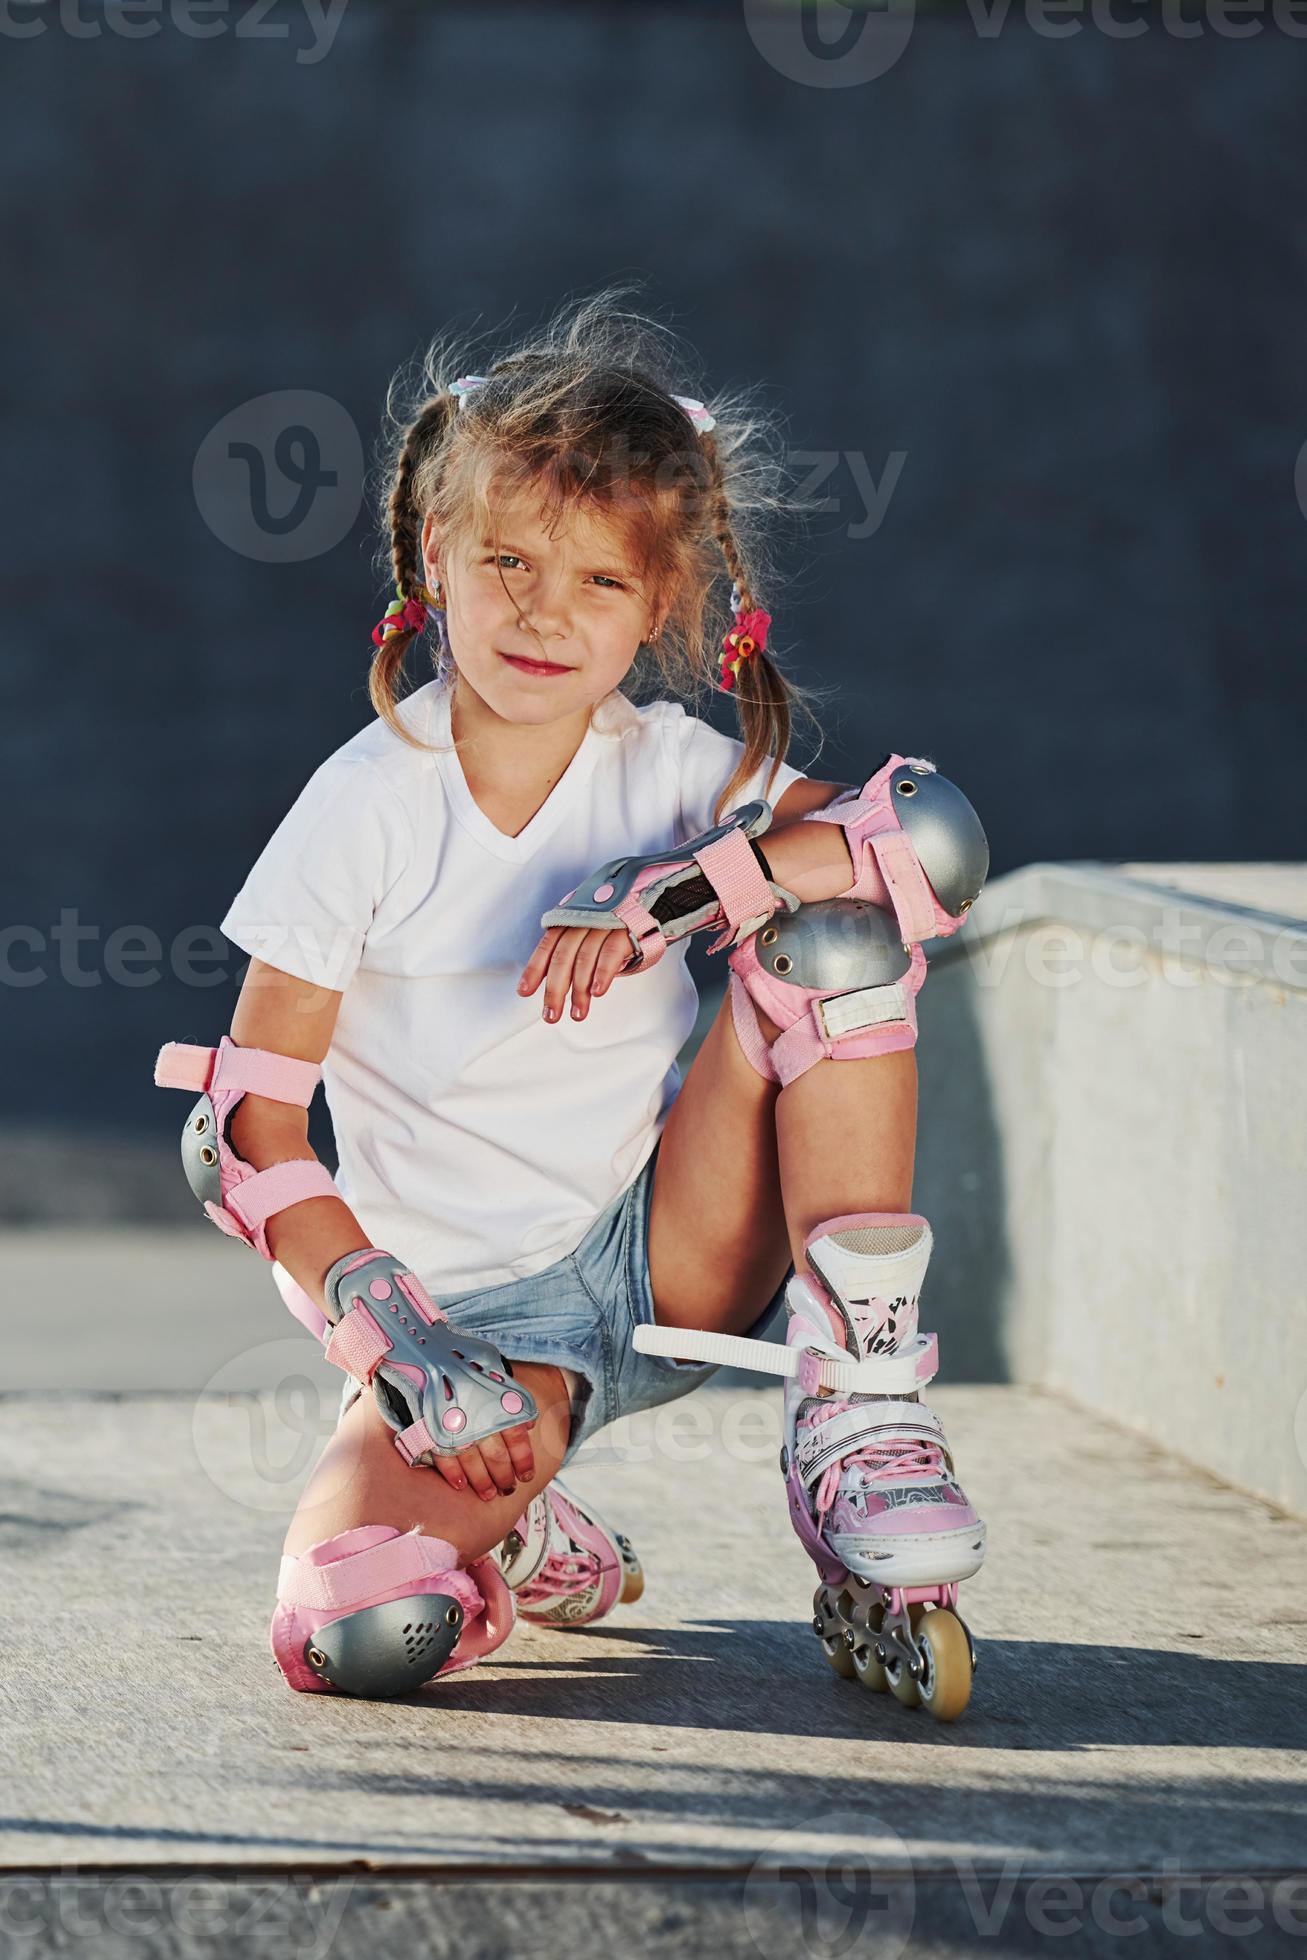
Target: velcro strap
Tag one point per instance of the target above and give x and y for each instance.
(415, 1441)
(909, 887)
(736, 876)
(865, 1008)
(279, 1187)
(357, 1344)
(246, 1071)
(832, 1021)
(419, 1299)
(645, 930)
(358, 1577)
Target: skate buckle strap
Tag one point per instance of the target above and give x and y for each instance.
(866, 1422)
(880, 1374)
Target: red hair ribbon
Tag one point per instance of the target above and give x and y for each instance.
(747, 637)
(402, 616)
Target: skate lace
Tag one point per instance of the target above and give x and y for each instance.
(561, 1572)
(899, 1459)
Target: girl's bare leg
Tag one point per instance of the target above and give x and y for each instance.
(360, 1478)
(745, 1170)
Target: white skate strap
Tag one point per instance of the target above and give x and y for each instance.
(902, 1423)
(880, 1374)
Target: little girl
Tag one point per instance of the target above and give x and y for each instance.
(534, 1221)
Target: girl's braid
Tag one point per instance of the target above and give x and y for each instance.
(435, 415)
(405, 541)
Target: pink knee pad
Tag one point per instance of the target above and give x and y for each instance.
(840, 978)
(837, 981)
(917, 846)
(375, 1611)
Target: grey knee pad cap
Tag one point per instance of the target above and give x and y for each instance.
(834, 946)
(388, 1649)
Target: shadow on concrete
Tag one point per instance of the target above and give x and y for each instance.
(1029, 1695)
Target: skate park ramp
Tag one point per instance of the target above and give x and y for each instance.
(690, 1775)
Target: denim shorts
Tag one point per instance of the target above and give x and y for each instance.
(581, 1312)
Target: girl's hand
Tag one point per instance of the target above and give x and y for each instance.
(586, 959)
(494, 1467)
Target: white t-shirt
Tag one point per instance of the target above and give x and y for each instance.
(477, 1141)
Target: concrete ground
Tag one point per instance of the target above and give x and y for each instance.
(688, 1775)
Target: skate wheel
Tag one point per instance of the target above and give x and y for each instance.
(836, 1650)
(632, 1583)
(868, 1669)
(945, 1685)
(902, 1686)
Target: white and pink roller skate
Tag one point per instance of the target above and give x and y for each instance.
(565, 1564)
(872, 1492)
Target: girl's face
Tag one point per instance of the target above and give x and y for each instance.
(576, 588)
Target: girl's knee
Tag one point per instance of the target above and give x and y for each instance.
(361, 1478)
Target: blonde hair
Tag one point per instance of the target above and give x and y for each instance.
(584, 410)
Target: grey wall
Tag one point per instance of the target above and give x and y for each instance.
(1064, 277)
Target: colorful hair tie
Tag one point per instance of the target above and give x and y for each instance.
(702, 418)
(747, 637)
(402, 616)
(466, 383)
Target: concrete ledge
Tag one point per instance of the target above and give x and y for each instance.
(1155, 908)
(1113, 1148)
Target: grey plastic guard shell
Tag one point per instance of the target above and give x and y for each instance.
(582, 908)
(945, 833)
(465, 1377)
(200, 1153)
(388, 1649)
(834, 944)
